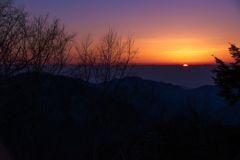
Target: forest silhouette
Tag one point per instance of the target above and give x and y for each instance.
(97, 108)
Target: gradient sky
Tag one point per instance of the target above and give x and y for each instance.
(166, 31)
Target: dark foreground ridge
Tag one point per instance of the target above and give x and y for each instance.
(44, 116)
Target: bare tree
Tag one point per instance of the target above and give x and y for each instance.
(13, 32)
(105, 69)
(48, 46)
(110, 58)
(31, 103)
(98, 66)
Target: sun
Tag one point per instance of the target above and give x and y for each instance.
(185, 65)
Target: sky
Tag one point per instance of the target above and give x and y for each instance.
(165, 31)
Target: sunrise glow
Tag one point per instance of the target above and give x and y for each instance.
(166, 32)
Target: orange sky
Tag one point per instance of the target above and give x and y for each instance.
(165, 31)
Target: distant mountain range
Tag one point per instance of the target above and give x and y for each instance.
(168, 100)
(172, 100)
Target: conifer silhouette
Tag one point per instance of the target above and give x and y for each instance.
(227, 77)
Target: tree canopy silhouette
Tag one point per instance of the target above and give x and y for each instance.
(227, 77)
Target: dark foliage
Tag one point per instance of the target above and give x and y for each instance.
(181, 138)
(227, 77)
